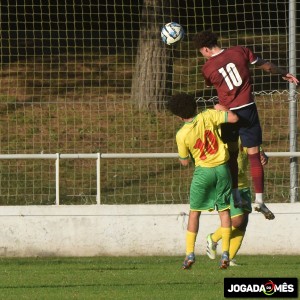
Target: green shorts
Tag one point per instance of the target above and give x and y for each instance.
(211, 189)
(246, 196)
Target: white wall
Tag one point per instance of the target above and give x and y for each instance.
(126, 230)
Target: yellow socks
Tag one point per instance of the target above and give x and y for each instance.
(226, 233)
(236, 240)
(190, 241)
(217, 235)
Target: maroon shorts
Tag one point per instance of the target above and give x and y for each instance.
(248, 128)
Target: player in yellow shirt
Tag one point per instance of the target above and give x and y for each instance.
(198, 139)
(239, 216)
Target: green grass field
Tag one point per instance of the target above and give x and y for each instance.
(131, 277)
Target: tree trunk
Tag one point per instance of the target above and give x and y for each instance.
(149, 83)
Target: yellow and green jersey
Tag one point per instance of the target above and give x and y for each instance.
(200, 139)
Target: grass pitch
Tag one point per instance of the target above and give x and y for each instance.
(131, 277)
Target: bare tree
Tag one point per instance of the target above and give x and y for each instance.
(149, 85)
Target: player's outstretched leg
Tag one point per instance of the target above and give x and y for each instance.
(188, 261)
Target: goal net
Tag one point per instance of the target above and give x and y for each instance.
(88, 77)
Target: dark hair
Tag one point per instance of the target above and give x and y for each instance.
(205, 39)
(183, 106)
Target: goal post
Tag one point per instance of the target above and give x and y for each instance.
(294, 186)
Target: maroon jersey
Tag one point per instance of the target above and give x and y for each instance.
(229, 73)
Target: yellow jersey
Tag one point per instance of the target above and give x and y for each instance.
(200, 139)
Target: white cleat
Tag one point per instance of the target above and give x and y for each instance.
(233, 263)
(211, 247)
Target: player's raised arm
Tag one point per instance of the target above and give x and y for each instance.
(272, 68)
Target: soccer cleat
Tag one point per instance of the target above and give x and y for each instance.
(188, 261)
(211, 247)
(262, 208)
(233, 263)
(224, 263)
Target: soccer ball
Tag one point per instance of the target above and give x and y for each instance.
(172, 33)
